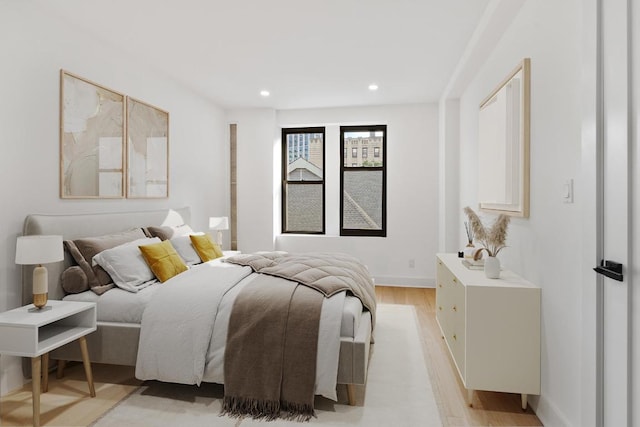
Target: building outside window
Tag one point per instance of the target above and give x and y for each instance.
(303, 180)
(363, 182)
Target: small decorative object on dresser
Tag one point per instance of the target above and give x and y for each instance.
(493, 240)
(492, 267)
(470, 249)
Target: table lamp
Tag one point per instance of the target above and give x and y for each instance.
(38, 250)
(219, 223)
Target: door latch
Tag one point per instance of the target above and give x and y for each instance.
(612, 270)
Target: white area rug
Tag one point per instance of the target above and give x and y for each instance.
(398, 391)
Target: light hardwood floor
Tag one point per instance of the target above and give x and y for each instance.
(67, 403)
(489, 408)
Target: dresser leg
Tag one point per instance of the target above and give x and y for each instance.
(470, 398)
(87, 365)
(523, 400)
(36, 372)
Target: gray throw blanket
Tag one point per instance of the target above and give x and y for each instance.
(270, 356)
(271, 350)
(328, 273)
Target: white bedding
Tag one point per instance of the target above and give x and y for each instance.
(177, 324)
(118, 305)
(185, 342)
(340, 316)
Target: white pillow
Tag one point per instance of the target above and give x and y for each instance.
(126, 266)
(182, 230)
(182, 245)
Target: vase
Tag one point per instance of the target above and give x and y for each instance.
(492, 267)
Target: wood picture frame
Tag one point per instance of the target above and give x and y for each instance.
(503, 145)
(92, 139)
(147, 150)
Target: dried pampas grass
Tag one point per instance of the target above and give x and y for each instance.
(493, 239)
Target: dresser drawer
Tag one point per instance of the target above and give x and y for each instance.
(450, 313)
(458, 326)
(444, 298)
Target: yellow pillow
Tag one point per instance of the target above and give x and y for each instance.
(163, 260)
(205, 246)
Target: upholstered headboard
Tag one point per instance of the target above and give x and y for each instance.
(88, 225)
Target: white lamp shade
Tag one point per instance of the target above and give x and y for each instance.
(39, 249)
(219, 223)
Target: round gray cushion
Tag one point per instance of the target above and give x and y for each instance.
(74, 280)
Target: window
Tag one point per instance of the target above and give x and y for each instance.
(363, 184)
(354, 152)
(303, 180)
(365, 152)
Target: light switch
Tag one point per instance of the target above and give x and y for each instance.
(567, 191)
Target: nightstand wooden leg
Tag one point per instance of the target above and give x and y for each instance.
(87, 365)
(45, 372)
(61, 365)
(470, 398)
(523, 400)
(35, 384)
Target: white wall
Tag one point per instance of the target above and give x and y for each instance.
(412, 175)
(35, 45)
(544, 248)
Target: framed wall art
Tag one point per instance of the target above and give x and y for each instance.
(92, 142)
(503, 145)
(147, 150)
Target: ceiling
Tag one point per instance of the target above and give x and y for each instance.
(307, 54)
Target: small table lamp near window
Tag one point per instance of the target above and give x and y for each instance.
(38, 250)
(219, 223)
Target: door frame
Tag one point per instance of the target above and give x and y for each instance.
(592, 196)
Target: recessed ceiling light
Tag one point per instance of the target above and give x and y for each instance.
(264, 93)
(373, 86)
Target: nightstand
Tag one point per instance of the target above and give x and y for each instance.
(29, 332)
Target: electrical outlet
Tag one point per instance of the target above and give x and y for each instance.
(412, 263)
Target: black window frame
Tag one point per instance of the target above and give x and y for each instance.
(364, 232)
(285, 181)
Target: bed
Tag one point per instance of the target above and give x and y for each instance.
(117, 338)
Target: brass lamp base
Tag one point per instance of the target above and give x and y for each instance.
(40, 300)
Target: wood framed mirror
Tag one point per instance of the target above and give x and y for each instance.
(503, 145)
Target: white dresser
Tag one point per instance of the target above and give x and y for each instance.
(491, 326)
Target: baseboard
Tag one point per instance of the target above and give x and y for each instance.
(547, 412)
(405, 282)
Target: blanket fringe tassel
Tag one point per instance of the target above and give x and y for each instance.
(268, 410)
